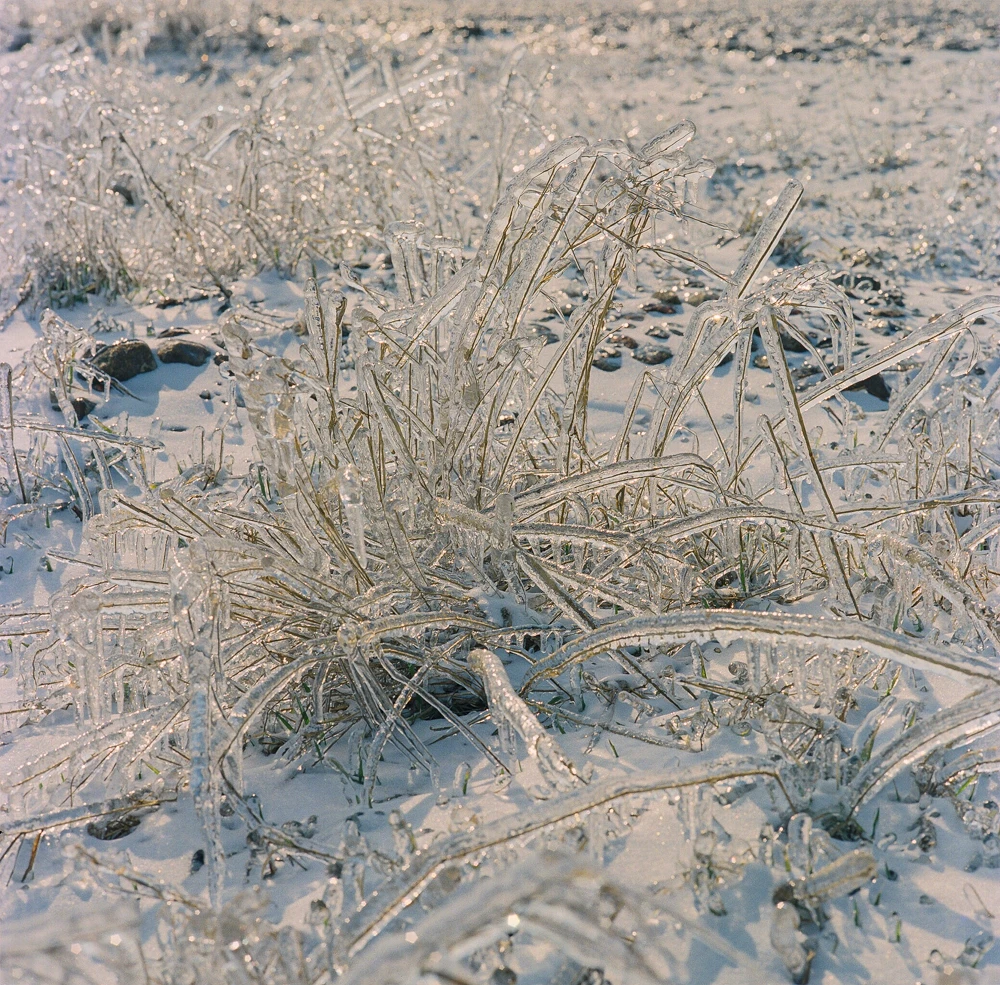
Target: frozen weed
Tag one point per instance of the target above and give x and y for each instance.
(126, 178)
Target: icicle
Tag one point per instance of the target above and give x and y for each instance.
(799, 831)
(351, 497)
(194, 610)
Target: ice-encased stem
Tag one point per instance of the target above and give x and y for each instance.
(972, 717)
(510, 712)
(195, 611)
(7, 428)
(376, 912)
(766, 239)
(837, 878)
(680, 627)
(559, 899)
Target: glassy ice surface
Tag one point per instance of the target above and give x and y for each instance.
(491, 497)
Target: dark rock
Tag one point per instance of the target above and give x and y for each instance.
(875, 385)
(658, 308)
(668, 296)
(882, 326)
(172, 332)
(191, 353)
(608, 358)
(168, 302)
(220, 357)
(205, 394)
(113, 827)
(791, 344)
(125, 359)
(652, 354)
(539, 331)
(851, 280)
(565, 309)
(21, 38)
(659, 332)
(699, 295)
(81, 405)
(620, 338)
(197, 860)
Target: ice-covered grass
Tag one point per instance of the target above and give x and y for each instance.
(495, 654)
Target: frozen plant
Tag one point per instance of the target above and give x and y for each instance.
(436, 527)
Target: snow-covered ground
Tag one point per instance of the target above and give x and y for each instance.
(784, 773)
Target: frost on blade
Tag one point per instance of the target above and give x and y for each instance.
(510, 712)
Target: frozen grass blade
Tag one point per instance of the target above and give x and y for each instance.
(678, 628)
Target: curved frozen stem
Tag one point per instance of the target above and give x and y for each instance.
(510, 711)
(680, 627)
(425, 865)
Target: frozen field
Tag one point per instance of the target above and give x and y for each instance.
(496, 497)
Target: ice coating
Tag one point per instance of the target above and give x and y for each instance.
(511, 714)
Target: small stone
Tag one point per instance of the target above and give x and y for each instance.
(761, 362)
(620, 338)
(205, 394)
(791, 344)
(220, 357)
(668, 296)
(699, 295)
(658, 308)
(81, 405)
(113, 827)
(172, 332)
(543, 332)
(607, 358)
(659, 332)
(197, 860)
(565, 309)
(882, 326)
(191, 353)
(126, 359)
(875, 385)
(652, 354)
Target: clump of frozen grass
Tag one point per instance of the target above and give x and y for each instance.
(157, 150)
(434, 527)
